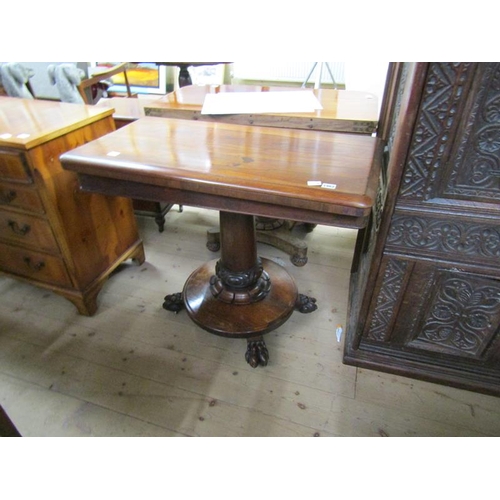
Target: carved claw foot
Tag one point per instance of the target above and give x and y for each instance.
(213, 246)
(298, 260)
(213, 239)
(257, 353)
(305, 304)
(174, 302)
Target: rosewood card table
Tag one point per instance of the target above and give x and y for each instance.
(242, 171)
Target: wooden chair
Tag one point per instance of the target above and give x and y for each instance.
(89, 87)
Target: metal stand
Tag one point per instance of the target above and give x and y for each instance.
(317, 83)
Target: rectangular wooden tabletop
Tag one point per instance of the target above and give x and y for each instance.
(26, 123)
(301, 175)
(343, 110)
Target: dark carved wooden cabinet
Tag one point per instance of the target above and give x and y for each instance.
(425, 295)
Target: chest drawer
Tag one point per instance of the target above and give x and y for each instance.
(33, 265)
(27, 230)
(14, 166)
(18, 196)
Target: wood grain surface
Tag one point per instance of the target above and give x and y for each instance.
(260, 164)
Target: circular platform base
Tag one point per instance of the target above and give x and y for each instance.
(240, 321)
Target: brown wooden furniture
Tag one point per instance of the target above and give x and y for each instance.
(99, 78)
(343, 111)
(127, 111)
(425, 294)
(227, 167)
(51, 235)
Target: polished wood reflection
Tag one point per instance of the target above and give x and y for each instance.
(253, 170)
(27, 123)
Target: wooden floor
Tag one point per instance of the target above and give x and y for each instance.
(135, 369)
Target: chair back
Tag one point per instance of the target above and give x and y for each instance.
(15, 80)
(89, 88)
(66, 77)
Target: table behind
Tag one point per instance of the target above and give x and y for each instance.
(343, 110)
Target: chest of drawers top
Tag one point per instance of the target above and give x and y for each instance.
(26, 123)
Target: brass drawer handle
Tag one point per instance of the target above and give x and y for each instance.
(22, 231)
(8, 197)
(34, 266)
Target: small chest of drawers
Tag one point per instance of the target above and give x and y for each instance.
(51, 234)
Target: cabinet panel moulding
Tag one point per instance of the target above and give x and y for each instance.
(444, 238)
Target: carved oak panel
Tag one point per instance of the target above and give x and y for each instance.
(455, 149)
(461, 317)
(387, 300)
(435, 310)
(439, 114)
(449, 238)
(475, 167)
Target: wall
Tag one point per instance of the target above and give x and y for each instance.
(40, 82)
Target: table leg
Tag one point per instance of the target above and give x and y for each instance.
(274, 232)
(184, 76)
(240, 295)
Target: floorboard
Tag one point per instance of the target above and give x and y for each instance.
(135, 369)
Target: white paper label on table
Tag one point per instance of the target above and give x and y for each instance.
(230, 103)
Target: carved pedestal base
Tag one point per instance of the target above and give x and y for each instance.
(249, 321)
(240, 295)
(240, 320)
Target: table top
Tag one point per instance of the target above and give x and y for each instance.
(25, 123)
(343, 110)
(166, 63)
(127, 108)
(257, 170)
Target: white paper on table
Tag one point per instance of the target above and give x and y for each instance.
(230, 103)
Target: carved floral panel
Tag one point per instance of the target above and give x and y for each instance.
(388, 297)
(440, 111)
(475, 171)
(455, 150)
(456, 239)
(462, 317)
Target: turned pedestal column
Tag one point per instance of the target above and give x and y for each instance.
(240, 295)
